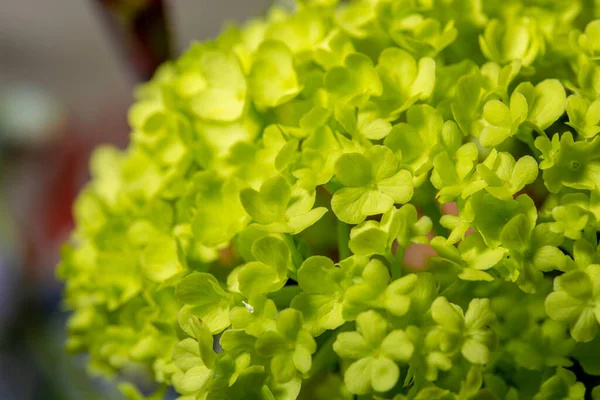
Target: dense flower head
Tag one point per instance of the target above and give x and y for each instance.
(254, 240)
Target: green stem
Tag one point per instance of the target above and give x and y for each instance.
(296, 257)
(343, 238)
(424, 200)
(326, 358)
(398, 262)
(395, 262)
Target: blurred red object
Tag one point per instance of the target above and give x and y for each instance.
(42, 179)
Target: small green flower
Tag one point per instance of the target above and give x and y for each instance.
(373, 183)
(289, 347)
(415, 141)
(355, 82)
(532, 251)
(587, 41)
(540, 106)
(502, 121)
(453, 175)
(323, 288)
(195, 359)
(376, 351)
(517, 39)
(459, 224)
(405, 81)
(210, 225)
(401, 225)
(255, 316)
(472, 257)
(545, 345)
(502, 176)
(584, 116)
(492, 215)
(563, 385)
(469, 334)
(417, 34)
(368, 292)
(273, 79)
(576, 301)
(204, 298)
(569, 163)
(268, 272)
(280, 208)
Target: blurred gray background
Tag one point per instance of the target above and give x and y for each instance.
(63, 45)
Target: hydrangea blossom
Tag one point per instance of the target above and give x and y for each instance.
(253, 241)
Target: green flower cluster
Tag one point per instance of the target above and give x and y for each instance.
(253, 241)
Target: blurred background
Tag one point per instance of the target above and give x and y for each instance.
(67, 71)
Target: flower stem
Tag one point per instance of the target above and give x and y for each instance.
(326, 358)
(398, 262)
(343, 238)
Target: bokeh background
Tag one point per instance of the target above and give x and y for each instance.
(67, 72)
